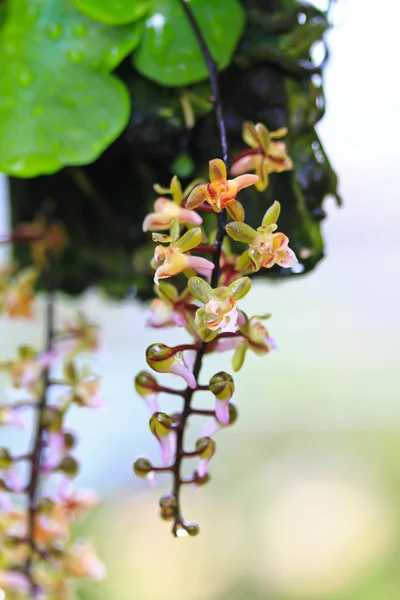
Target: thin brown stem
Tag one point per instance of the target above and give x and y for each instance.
(38, 441)
(217, 247)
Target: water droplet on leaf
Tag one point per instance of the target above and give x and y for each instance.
(54, 31)
(79, 28)
(75, 55)
(25, 77)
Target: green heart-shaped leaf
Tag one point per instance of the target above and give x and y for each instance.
(169, 52)
(114, 12)
(58, 104)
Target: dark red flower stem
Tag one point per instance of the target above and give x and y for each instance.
(217, 247)
(202, 248)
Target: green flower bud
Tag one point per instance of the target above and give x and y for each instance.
(142, 468)
(168, 505)
(6, 459)
(233, 414)
(45, 506)
(69, 466)
(160, 424)
(160, 357)
(206, 447)
(222, 386)
(69, 440)
(192, 528)
(200, 481)
(51, 419)
(145, 383)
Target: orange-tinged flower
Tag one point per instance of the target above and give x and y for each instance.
(26, 370)
(47, 239)
(219, 313)
(266, 248)
(79, 335)
(173, 259)
(221, 192)
(17, 298)
(267, 155)
(81, 561)
(164, 211)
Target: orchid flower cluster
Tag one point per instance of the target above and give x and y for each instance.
(39, 558)
(206, 303)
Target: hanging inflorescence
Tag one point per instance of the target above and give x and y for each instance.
(208, 306)
(38, 503)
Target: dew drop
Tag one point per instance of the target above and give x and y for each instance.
(54, 31)
(25, 77)
(113, 52)
(17, 167)
(75, 55)
(79, 28)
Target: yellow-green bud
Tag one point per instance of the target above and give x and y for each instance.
(69, 466)
(160, 424)
(160, 357)
(142, 468)
(206, 447)
(5, 459)
(222, 386)
(145, 383)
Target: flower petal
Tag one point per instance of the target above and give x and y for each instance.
(244, 164)
(250, 135)
(196, 197)
(235, 211)
(243, 181)
(217, 170)
(222, 411)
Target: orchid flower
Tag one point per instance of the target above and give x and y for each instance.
(14, 581)
(166, 210)
(81, 561)
(266, 248)
(213, 425)
(205, 447)
(161, 426)
(164, 359)
(146, 386)
(221, 192)
(222, 386)
(79, 335)
(85, 387)
(266, 155)
(173, 259)
(10, 416)
(171, 308)
(219, 313)
(16, 300)
(27, 370)
(55, 451)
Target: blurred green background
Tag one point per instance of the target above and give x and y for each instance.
(304, 501)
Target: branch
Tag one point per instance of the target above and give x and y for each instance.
(187, 410)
